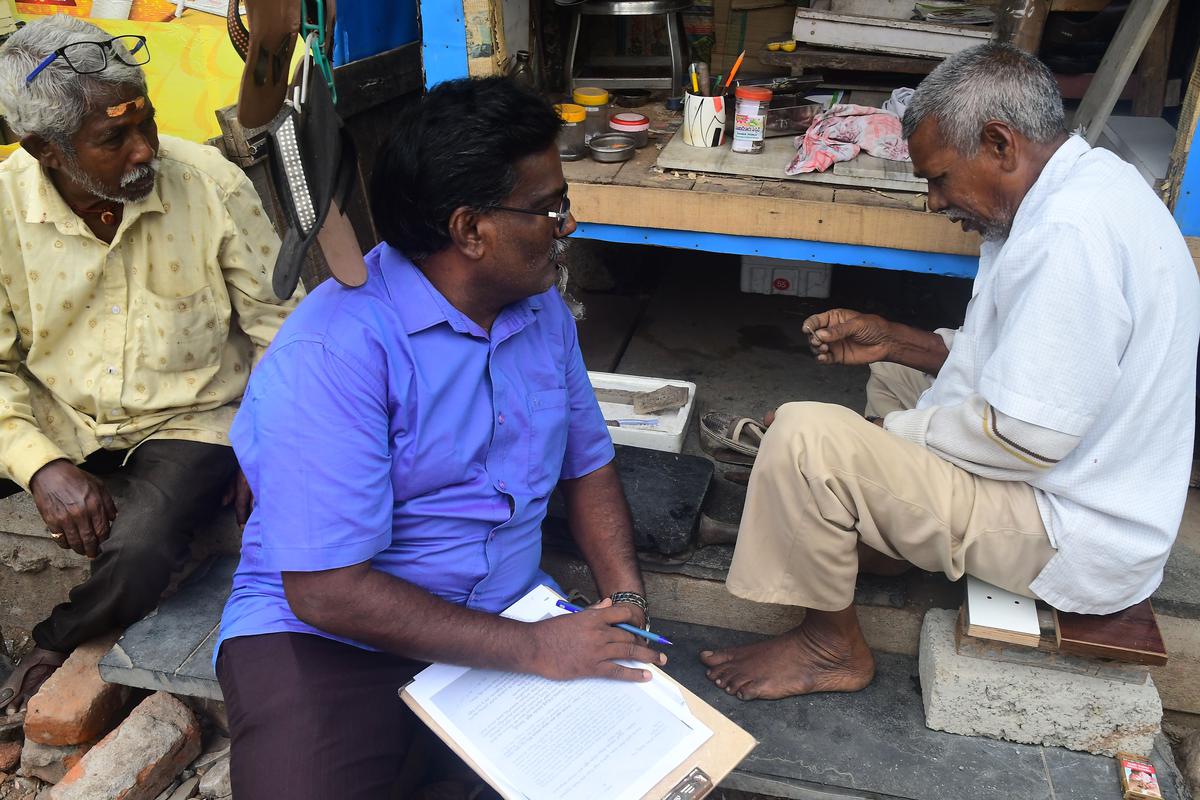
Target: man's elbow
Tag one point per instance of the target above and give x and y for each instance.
(316, 598)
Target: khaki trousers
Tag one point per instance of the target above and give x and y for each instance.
(825, 478)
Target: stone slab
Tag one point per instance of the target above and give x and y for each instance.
(171, 649)
(875, 744)
(1179, 593)
(665, 492)
(1030, 704)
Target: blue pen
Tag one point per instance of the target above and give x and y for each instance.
(654, 637)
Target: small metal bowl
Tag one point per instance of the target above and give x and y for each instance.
(612, 147)
(631, 98)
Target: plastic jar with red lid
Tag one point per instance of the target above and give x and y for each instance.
(633, 124)
(750, 118)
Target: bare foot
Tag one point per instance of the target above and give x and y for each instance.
(807, 659)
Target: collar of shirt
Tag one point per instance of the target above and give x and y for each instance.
(1053, 174)
(45, 204)
(421, 306)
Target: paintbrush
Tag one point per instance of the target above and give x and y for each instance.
(733, 72)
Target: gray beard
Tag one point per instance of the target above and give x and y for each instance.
(990, 231)
(91, 186)
(559, 252)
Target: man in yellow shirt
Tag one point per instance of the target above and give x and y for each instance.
(134, 299)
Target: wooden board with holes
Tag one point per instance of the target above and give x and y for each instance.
(1000, 615)
(863, 171)
(1131, 635)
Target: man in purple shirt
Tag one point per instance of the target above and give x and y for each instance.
(401, 440)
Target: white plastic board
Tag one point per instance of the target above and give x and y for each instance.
(990, 606)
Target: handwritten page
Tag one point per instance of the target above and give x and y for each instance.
(589, 739)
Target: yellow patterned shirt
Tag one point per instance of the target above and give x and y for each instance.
(103, 346)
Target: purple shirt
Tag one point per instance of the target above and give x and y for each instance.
(382, 425)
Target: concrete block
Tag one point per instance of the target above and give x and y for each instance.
(49, 762)
(140, 758)
(75, 704)
(1031, 704)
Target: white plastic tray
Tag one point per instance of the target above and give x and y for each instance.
(672, 425)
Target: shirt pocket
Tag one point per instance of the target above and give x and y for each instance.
(178, 334)
(549, 411)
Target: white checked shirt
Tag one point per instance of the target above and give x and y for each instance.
(1081, 336)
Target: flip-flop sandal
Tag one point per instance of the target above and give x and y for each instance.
(21, 671)
(729, 438)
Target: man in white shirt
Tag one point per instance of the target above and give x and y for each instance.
(1044, 447)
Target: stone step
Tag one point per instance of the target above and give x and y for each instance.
(875, 744)
(172, 649)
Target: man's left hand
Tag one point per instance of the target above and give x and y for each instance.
(240, 496)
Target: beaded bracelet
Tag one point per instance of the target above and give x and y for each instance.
(633, 598)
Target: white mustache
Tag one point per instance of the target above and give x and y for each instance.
(140, 173)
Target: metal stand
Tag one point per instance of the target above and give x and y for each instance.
(627, 71)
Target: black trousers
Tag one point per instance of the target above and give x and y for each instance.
(165, 491)
(315, 719)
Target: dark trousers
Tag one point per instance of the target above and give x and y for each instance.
(315, 719)
(167, 489)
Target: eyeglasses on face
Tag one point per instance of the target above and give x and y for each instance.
(87, 58)
(561, 216)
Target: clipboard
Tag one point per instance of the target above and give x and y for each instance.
(695, 778)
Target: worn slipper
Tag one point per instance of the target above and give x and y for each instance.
(14, 686)
(729, 438)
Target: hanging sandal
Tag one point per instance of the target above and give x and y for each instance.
(729, 438)
(16, 681)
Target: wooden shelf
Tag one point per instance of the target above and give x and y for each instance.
(806, 57)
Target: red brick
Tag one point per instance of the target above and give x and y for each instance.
(76, 705)
(10, 755)
(139, 759)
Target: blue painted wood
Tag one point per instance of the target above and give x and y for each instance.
(443, 40)
(1187, 204)
(824, 252)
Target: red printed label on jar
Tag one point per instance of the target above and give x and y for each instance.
(748, 127)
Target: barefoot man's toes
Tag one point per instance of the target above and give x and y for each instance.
(796, 662)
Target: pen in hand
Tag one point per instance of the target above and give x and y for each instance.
(654, 637)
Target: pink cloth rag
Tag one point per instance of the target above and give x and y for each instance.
(841, 132)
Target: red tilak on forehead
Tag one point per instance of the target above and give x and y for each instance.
(120, 109)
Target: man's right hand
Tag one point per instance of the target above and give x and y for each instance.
(587, 645)
(75, 504)
(842, 336)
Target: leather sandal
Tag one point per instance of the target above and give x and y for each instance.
(729, 438)
(14, 686)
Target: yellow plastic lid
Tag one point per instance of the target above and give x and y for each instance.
(569, 112)
(590, 96)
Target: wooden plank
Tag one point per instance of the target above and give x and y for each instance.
(795, 190)
(1193, 243)
(783, 218)
(640, 171)
(1131, 635)
(1189, 118)
(806, 57)
(1152, 66)
(1116, 66)
(864, 171)
(876, 35)
(1020, 22)
(711, 183)
(875, 197)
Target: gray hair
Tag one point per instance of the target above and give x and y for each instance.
(54, 104)
(985, 83)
